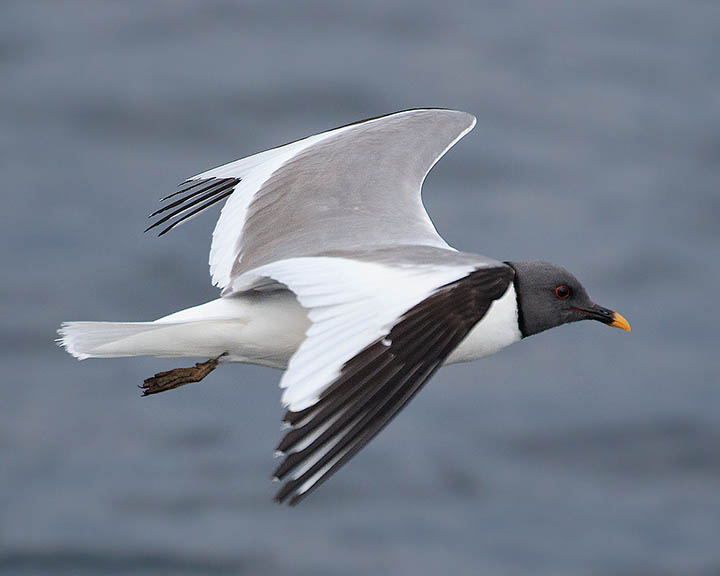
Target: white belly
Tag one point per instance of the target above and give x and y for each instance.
(267, 328)
(259, 328)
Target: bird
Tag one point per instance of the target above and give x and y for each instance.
(331, 270)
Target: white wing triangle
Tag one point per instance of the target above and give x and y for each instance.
(351, 304)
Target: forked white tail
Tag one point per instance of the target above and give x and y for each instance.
(202, 338)
(265, 330)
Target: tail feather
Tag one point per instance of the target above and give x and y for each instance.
(200, 331)
(263, 331)
(105, 339)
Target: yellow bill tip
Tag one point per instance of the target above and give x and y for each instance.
(620, 322)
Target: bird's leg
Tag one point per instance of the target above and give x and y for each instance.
(175, 378)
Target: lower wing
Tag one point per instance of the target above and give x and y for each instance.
(378, 334)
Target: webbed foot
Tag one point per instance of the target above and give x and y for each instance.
(178, 377)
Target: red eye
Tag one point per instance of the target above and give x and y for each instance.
(562, 292)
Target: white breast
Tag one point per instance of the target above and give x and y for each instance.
(498, 329)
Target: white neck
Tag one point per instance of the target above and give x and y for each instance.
(498, 328)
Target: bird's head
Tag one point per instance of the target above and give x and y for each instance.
(549, 296)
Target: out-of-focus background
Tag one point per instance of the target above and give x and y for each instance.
(582, 451)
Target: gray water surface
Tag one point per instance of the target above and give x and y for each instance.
(584, 451)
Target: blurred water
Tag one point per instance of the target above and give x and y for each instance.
(581, 451)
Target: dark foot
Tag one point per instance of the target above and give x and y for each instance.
(174, 378)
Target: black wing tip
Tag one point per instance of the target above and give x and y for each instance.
(289, 463)
(282, 495)
(203, 191)
(295, 500)
(292, 502)
(288, 496)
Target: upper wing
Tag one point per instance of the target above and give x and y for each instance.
(378, 333)
(355, 186)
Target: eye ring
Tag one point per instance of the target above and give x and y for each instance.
(562, 292)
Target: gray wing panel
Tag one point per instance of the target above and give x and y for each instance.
(357, 189)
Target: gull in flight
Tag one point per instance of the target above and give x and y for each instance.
(331, 269)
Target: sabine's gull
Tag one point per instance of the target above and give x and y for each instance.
(331, 269)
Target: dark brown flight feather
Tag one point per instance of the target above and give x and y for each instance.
(380, 380)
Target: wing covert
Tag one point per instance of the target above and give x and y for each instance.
(356, 185)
